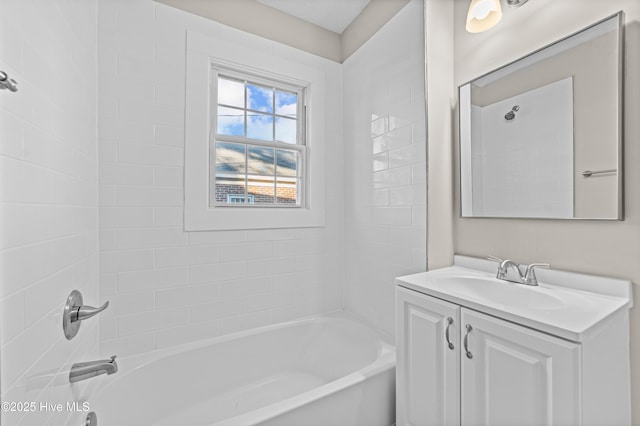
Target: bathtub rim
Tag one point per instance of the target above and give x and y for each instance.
(384, 361)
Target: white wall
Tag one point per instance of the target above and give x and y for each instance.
(606, 248)
(168, 286)
(48, 190)
(385, 165)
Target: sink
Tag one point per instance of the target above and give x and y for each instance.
(565, 304)
(502, 292)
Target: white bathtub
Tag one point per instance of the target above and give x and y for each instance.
(329, 370)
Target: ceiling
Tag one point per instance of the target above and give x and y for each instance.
(333, 15)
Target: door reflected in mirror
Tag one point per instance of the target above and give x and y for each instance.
(541, 136)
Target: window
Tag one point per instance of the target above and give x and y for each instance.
(258, 150)
(255, 135)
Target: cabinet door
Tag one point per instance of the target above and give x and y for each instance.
(428, 380)
(517, 376)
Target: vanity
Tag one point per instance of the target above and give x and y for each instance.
(476, 350)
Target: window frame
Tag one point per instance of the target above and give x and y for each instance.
(225, 71)
(283, 64)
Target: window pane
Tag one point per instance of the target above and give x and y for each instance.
(261, 160)
(287, 162)
(230, 92)
(262, 189)
(286, 103)
(259, 126)
(230, 189)
(286, 130)
(287, 190)
(230, 121)
(259, 98)
(230, 157)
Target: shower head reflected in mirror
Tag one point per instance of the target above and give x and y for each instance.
(512, 114)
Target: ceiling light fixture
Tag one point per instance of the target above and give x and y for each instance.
(485, 14)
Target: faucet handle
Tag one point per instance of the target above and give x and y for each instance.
(83, 312)
(530, 273)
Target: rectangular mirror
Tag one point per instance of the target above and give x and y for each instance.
(541, 137)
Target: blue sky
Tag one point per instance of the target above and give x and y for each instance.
(259, 98)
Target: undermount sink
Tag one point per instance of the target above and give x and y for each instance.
(503, 293)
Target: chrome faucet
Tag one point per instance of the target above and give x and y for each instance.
(529, 276)
(86, 370)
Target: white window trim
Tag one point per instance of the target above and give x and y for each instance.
(202, 53)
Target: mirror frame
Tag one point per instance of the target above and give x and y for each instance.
(620, 125)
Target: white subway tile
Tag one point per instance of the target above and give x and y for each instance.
(13, 315)
(243, 251)
(245, 287)
(153, 155)
(174, 298)
(409, 154)
(169, 135)
(151, 321)
(217, 237)
(183, 256)
(204, 293)
(27, 347)
(107, 151)
(167, 216)
(125, 260)
(168, 176)
(272, 234)
(125, 86)
(129, 345)
(149, 196)
(216, 310)
(171, 115)
(299, 247)
(415, 195)
(280, 265)
(28, 264)
(245, 322)
(11, 143)
(126, 174)
(269, 301)
(107, 285)
(381, 161)
(126, 217)
(185, 334)
(33, 223)
(217, 272)
(167, 94)
(126, 303)
(152, 279)
(146, 238)
(392, 215)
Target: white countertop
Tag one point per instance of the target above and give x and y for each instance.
(580, 302)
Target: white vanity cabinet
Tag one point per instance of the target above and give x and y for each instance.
(517, 376)
(427, 369)
(460, 362)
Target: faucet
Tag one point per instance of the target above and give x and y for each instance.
(529, 276)
(86, 370)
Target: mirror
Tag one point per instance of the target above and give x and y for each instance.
(541, 136)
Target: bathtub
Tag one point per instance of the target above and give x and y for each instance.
(327, 370)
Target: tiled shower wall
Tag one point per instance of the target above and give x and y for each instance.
(168, 286)
(48, 190)
(385, 158)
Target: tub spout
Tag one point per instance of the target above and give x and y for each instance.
(87, 370)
